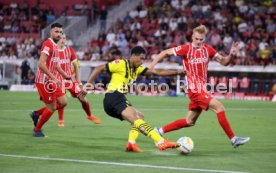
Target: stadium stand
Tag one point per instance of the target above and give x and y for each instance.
(155, 25)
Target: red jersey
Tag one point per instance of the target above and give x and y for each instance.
(66, 56)
(195, 62)
(49, 47)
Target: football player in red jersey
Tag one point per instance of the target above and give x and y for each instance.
(67, 57)
(48, 80)
(196, 56)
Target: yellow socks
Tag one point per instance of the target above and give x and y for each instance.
(147, 130)
(133, 134)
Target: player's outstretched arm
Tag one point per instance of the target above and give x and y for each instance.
(96, 73)
(228, 59)
(43, 67)
(92, 78)
(160, 56)
(161, 72)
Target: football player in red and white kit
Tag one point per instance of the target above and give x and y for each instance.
(67, 56)
(48, 80)
(196, 56)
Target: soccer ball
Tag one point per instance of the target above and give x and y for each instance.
(187, 145)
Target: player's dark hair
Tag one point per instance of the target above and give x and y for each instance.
(56, 25)
(116, 52)
(137, 50)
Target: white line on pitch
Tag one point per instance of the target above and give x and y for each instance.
(118, 164)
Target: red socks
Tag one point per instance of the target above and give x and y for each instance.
(59, 107)
(40, 111)
(225, 125)
(45, 116)
(181, 123)
(178, 124)
(86, 108)
(60, 114)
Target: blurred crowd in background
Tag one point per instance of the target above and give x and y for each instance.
(155, 24)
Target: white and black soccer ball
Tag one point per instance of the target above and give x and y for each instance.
(187, 145)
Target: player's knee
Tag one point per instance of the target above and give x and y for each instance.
(52, 108)
(63, 104)
(220, 108)
(140, 115)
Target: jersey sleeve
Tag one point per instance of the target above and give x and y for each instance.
(141, 70)
(46, 48)
(115, 66)
(181, 50)
(73, 55)
(212, 52)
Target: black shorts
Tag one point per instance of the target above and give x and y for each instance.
(115, 103)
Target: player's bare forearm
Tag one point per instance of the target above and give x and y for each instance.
(228, 59)
(161, 72)
(96, 73)
(43, 67)
(160, 57)
(63, 74)
(92, 78)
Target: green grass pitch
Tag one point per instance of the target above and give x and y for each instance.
(82, 146)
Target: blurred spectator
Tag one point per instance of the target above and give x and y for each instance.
(17, 75)
(263, 44)
(103, 17)
(24, 72)
(223, 83)
(172, 86)
(156, 25)
(31, 77)
(266, 86)
(255, 85)
(265, 55)
(234, 84)
(273, 88)
(215, 38)
(50, 17)
(166, 23)
(212, 83)
(244, 84)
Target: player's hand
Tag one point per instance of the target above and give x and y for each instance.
(57, 82)
(234, 49)
(68, 77)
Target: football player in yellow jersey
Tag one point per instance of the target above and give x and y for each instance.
(124, 71)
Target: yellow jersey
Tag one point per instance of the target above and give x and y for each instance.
(122, 75)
